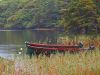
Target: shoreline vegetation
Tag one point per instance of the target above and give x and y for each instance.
(82, 63)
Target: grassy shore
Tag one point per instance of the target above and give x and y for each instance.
(83, 63)
(87, 40)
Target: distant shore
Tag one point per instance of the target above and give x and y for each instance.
(42, 29)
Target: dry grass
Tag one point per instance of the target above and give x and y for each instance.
(85, 39)
(83, 63)
(6, 67)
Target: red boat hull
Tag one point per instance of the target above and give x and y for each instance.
(51, 45)
(47, 49)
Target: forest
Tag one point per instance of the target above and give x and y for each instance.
(75, 16)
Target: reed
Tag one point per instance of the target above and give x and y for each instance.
(76, 39)
(83, 63)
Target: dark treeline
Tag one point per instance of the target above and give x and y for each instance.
(82, 16)
(74, 15)
(29, 13)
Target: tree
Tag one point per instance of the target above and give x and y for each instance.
(97, 2)
(28, 13)
(80, 16)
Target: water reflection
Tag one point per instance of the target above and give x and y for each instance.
(19, 37)
(12, 41)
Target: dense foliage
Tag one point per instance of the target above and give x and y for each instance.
(29, 13)
(81, 16)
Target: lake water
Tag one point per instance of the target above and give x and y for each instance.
(12, 41)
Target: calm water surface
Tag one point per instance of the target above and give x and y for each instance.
(12, 41)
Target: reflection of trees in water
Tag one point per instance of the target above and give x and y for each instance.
(2, 37)
(11, 37)
(14, 37)
(19, 37)
(45, 36)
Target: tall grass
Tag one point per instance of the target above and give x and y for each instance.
(6, 67)
(83, 63)
(76, 39)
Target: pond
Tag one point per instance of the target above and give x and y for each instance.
(11, 41)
